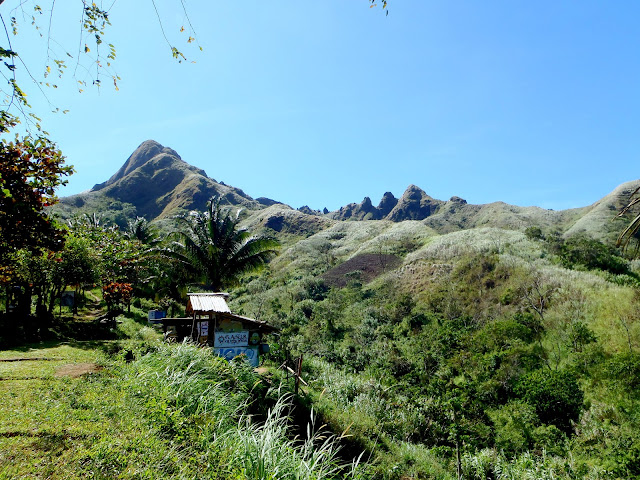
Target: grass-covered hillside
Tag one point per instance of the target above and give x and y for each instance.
(488, 353)
(439, 339)
(481, 353)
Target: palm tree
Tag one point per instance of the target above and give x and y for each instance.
(139, 229)
(216, 250)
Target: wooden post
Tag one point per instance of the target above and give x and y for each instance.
(458, 462)
(298, 373)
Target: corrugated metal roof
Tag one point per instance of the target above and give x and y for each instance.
(262, 326)
(208, 303)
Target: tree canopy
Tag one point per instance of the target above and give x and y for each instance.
(30, 171)
(217, 250)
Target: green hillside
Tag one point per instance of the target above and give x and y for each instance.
(438, 339)
(469, 336)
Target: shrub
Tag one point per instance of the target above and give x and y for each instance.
(550, 439)
(514, 425)
(556, 396)
(534, 233)
(624, 369)
(591, 254)
(580, 335)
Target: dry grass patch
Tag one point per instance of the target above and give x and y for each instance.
(77, 370)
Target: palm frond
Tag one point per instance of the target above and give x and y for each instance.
(217, 248)
(625, 237)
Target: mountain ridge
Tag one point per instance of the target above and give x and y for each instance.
(156, 183)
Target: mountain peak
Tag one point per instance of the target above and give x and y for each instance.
(145, 152)
(413, 192)
(414, 204)
(155, 182)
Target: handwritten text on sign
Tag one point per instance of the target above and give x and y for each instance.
(230, 353)
(231, 339)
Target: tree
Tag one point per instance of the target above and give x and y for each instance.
(555, 395)
(30, 171)
(580, 250)
(47, 274)
(216, 250)
(140, 230)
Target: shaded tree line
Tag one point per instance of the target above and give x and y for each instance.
(210, 252)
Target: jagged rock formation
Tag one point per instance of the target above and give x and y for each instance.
(358, 211)
(414, 204)
(386, 204)
(309, 211)
(456, 214)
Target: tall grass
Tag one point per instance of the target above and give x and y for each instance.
(209, 405)
(479, 240)
(266, 450)
(489, 463)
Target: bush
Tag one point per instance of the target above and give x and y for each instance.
(550, 439)
(514, 426)
(624, 369)
(591, 254)
(556, 396)
(534, 233)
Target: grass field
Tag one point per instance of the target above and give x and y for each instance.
(80, 410)
(64, 414)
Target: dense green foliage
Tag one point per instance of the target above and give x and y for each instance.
(30, 171)
(217, 250)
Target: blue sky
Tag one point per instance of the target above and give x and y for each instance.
(325, 102)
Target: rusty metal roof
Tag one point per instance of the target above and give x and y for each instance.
(207, 303)
(261, 326)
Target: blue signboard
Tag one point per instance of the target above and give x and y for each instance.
(230, 353)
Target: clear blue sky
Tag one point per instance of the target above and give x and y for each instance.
(325, 102)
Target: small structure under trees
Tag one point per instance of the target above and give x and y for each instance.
(212, 324)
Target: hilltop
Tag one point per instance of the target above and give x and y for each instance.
(155, 183)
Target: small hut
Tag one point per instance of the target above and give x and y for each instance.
(211, 323)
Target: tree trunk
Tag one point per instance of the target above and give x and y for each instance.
(24, 301)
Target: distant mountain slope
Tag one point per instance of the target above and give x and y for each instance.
(154, 183)
(600, 221)
(597, 220)
(456, 215)
(283, 219)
